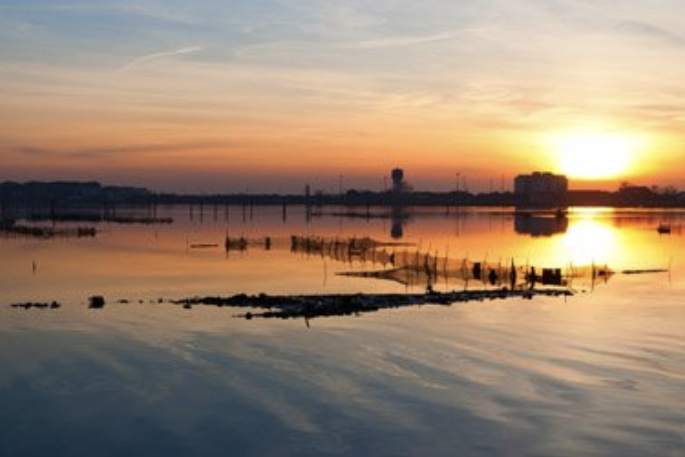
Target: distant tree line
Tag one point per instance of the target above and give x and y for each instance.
(46, 193)
(68, 194)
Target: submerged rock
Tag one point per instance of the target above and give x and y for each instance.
(37, 305)
(310, 306)
(96, 302)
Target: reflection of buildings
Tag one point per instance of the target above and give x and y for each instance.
(536, 226)
(541, 189)
(399, 217)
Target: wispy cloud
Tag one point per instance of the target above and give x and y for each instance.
(114, 151)
(488, 92)
(652, 32)
(34, 152)
(16, 28)
(161, 12)
(148, 58)
(401, 41)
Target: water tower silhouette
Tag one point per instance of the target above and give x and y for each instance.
(397, 176)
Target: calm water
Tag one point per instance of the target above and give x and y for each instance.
(600, 373)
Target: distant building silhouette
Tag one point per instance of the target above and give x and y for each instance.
(398, 184)
(631, 195)
(588, 197)
(541, 189)
(37, 193)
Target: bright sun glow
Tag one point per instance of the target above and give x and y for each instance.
(594, 155)
(588, 241)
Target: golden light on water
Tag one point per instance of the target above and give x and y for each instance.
(595, 155)
(589, 241)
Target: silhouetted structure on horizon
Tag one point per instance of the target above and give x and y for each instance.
(46, 193)
(534, 190)
(397, 176)
(541, 189)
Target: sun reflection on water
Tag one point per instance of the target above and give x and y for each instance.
(589, 240)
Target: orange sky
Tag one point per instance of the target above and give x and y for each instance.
(270, 97)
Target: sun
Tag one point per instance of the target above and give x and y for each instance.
(594, 156)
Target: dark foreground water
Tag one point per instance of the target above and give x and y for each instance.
(601, 373)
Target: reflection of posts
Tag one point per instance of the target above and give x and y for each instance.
(512, 276)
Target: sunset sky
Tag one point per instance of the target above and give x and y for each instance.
(268, 95)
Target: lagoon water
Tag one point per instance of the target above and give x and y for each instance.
(600, 373)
